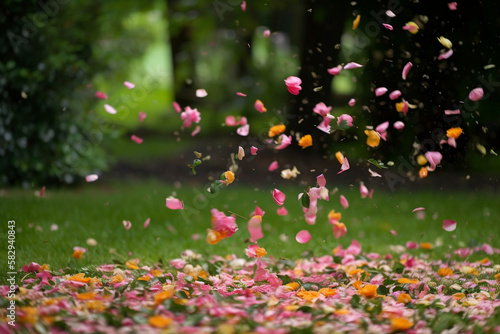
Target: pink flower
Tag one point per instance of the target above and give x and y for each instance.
(406, 70)
(273, 166)
(345, 117)
(411, 245)
(253, 150)
(363, 190)
(476, 94)
(282, 211)
(109, 109)
(136, 139)
(352, 65)
(283, 141)
(278, 197)
(449, 225)
(32, 267)
(293, 85)
(128, 84)
(201, 93)
(351, 102)
(254, 227)
(189, 116)
(258, 212)
(127, 224)
(223, 224)
(344, 202)
(174, 203)
(91, 177)
(142, 116)
(339, 229)
(394, 94)
(434, 159)
(335, 70)
(322, 109)
(398, 125)
(101, 95)
(178, 263)
(380, 91)
(303, 236)
(243, 130)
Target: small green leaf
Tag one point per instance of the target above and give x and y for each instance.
(377, 163)
(305, 200)
(382, 290)
(355, 301)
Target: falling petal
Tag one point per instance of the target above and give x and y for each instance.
(387, 26)
(452, 6)
(449, 225)
(128, 84)
(146, 223)
(382, 127)
(259, 106)
(136, 139)
(288, 173)
(293, 84)
(110, 109)
(177, 107)
(174, 203)
(345, 165)
(434, 159)
(335, 70)
(344, 119)
(394, 94)
(374, 174)
(406, 70)
(276, 130)
(398, 125)
(445, 42)
(201, 93)
(352, 102)
(243, 130)
(244, 6)
(363, 190)
(91, 242)
(355, 23)
(282, 211)
(418, 209)
(241, 153)
(253, 150)
(380, 91)
(481, 148)
(339, 229)
(340, 157)
(283, 142)
(142, 116)
(320, 179)
(241, 94)
(254, 227)
(393, 232)
(303, 236)
(454, 132)
(127, 224)
(352, 65)
(278, 197)
(476, 94)
(196, 131)
(305, 141)
(273, 166)
(42, 191)
(373, 138)
(402, 107)
(390, 13)
(452, 112)
(411, 27)
(91, 177)
(446, 55)
(101, 95)
(344, 202)
(266, 33)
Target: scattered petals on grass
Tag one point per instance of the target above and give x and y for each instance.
(303, 236)
(449, 225)
(127, 224)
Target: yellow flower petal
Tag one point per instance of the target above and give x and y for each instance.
(373, 139)
(305, 141)
(355, 23)
(340, 157)
(454, 132)
(276, 130)
(445, 42)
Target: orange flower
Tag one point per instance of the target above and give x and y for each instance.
(213, 237)
(96, 305)
(369, 291)
(484, 261)
(161, 296)
(342, 311)
(454, 133)
(156, 272)
(404, 298)
(159, 321)
(276, 130)
(293, 286)
(44, 267)
(327, 292)
(443, 272)
(305, 141)
(144, 278)
(400, 324)
(309, 296)
(357, 284)
(229, 177)
(355, 23)
(425, 245)
(132, 264)
(458, 296)
(497, 277)
(423, 172)
(404, 280)
(260, 252)
(353, 272)
(77, 254)
(86, 295)
(79, 278)
(117, 279)
(332, 215)
(373, 139)
(28, 315)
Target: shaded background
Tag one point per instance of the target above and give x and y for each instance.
(56, 54)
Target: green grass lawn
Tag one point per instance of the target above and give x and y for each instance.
(97, 211)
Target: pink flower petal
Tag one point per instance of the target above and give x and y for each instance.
(196, 131)
(278, 197)
(91, 177)
(446, 55)
(387, 26)
(344, 202)
(452, 112)
(258, 212)
(303, 236)
(380, 91)
(390, 13)
(418, 209)
(370, 194)
(394, 94)
(352, 102)
(244, 6)
(345, 117)
(283, 141)
(434, 159)
(101, 95)
(241, 94)
(127, 224)
(345, 165)
(335, 70)
(452, 6)
(177, 107)
(373, 174)
(273, 166)
(109, 109)
(339, 229)
(393, 232)
(321, 180)
(476, 94)
(259, 106)
(174, 203)
(382, 127)
(282, 211)
(363, 190)
(266, 33)
(411, 245)
(398, 125)
(201, 93)
(142, 116)
(136, 139)
(128, 84)
(449, 225)
(293, 84)
(406, 70)
(243, 130)
(146, 223)
(254, 227)
(42, 191)
(253, 150)
(241, 153)
(352, 65)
